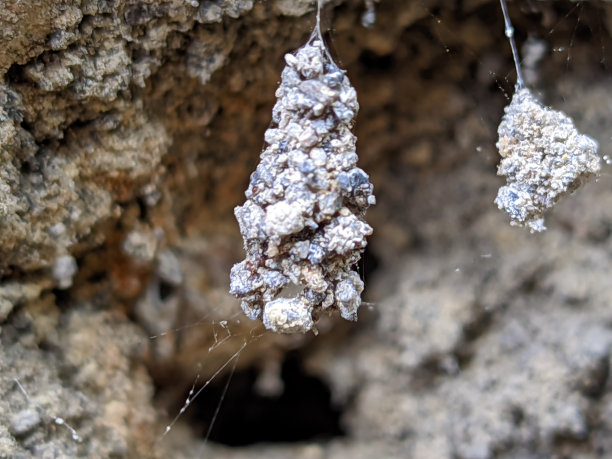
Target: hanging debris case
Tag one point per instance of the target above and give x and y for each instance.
(544, 158)
(303, 221)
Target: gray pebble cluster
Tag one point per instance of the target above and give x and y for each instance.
(303, 220)
(544, 158)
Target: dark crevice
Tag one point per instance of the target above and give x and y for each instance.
(368, 264)
(143, 210)
(372, 62)
(303, 412)
(15, 74)
(97, 277)
(165, 289)
(594, 386)
(62, 297)
(518, 416)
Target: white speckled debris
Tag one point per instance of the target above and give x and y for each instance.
(303, 222)
(288, 315)
(544, 158)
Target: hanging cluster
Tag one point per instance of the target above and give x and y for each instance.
(303, 221)
(544, 157)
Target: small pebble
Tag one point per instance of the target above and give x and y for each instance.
(24, 422)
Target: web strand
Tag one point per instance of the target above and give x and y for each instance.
(221, 399)
(509, 31)
(56, 419)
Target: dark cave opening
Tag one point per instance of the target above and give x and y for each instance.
(302, 412)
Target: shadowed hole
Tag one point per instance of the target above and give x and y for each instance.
(302, 411)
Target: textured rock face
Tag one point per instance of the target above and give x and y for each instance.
(128, 131)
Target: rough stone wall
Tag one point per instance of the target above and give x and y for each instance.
(128, 130)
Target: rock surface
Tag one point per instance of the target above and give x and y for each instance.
(128, 130)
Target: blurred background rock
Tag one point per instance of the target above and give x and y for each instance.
(128, 130)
